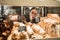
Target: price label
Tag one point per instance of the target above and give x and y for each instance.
(21, 28)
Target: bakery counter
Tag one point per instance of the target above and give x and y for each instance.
(57, 38)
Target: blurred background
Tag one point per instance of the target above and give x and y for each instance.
(24, 19)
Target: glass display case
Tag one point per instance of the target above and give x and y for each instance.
(35, 22)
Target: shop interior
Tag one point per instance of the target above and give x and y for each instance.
(29, 22)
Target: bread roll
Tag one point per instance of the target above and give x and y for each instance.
(54, 17)
(36, 36)
(29, 30)
(38, 29)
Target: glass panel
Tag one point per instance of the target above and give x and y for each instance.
(0, 8)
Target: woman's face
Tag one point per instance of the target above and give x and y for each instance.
(33, 13)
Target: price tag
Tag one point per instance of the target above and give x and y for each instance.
(21, 28)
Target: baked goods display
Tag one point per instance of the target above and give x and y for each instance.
(49, 24)
(48, 27)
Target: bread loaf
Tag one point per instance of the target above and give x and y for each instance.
(29, 30)
(54, 17)
(38, 29)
